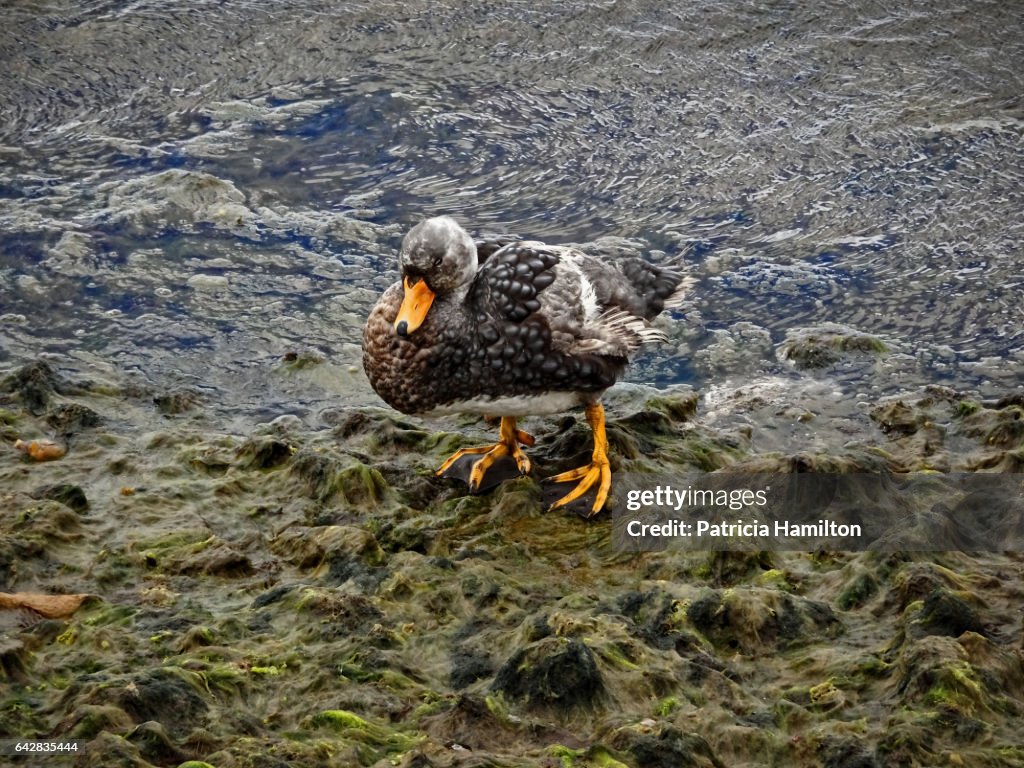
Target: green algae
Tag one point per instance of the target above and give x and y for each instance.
(351, 727)
(591, 757)
(369, 608)
(666, 706)
(862, 588)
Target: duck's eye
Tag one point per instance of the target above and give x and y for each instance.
(436, 262)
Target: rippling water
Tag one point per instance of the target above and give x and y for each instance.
(191, 190)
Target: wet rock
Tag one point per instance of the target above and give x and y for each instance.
(553, 674)
(945, 613)
(264, 453)
(193, 553)
(898, 418)
(858, 591)
(845, 753)
(71, 496)
(13, 658)
(680, 407)
(71, 418)
(468, 666)
(177, 198)
(748, 619)
(179, 401)
(351, 727)
(964, 678)
(326, 476)
(384, 430)
(341, 613)
(34, 385)
(668, 747)
(89, 720)
(824, 345)
(471, 724)
(727, 568)
(110, 751)
(740, 348)
(154, 744)
(221, 559)
(339, 547)
(168, 696)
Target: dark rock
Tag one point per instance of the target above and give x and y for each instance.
(553, 673)
(944, 613)
(897, 418)
(345, 613)
(34, 384)
(705, 613)
(343, 566)
(326, 476)
(164, 695)
(173, 403)
(70, 418)
(264, 453)
(668, 748)
(13, 658)
(468, 666)
(755, 617)
(71, 496)
(845, 753)
(272, 595)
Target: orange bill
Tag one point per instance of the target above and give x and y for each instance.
(415, 305)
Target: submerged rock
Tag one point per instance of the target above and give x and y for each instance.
(824, 345)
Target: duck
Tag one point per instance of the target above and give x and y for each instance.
(511, 328)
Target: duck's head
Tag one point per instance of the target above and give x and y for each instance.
(438, 257)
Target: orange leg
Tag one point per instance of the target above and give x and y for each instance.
(509, 438)
(597, 470)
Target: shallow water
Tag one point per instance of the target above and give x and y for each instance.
(192, 190)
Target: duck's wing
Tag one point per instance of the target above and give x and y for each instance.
(509, 283)
(547, 288)
(488, 245)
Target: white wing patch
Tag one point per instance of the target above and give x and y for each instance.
(678, 297)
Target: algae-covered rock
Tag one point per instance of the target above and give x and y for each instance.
(177, 402)
(826, 344)
(108, 750)
(71, 496)
(154, 744)
(34, 385)
(470, 722)
(72, 418)
(749, 619)
(665, 747)
(946, 613)
(264, 452)
(326, 476)
(171, 697)
(351, 727)
(553, 674)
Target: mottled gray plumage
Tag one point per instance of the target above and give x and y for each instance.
(513, 320)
